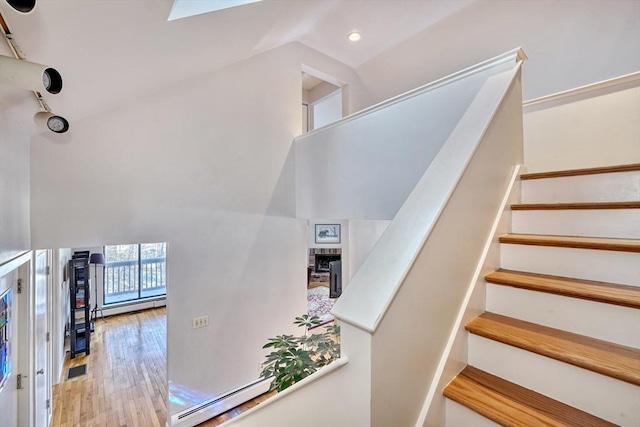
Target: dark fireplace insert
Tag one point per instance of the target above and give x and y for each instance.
(322, 262)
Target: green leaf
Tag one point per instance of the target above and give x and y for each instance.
(295, 358)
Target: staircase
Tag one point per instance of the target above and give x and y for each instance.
(559, 342)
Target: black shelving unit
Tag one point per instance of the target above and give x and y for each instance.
(80, 306)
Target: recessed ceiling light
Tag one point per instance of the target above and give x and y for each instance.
(354, 36)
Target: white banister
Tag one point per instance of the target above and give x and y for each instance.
(374, 286)
(590, 90)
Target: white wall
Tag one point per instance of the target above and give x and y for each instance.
(569, 44)
(322, 90)
(597, 127)
(363, 235)
(16, 112)
(318, 92)
(15, 127)
(207, 167)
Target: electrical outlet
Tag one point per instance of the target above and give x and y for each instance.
(200, 322)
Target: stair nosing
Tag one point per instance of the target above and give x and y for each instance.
(632, 167)
(504, 390)
(564, 346)
(584, 289)
(597, 243)
(576, 206)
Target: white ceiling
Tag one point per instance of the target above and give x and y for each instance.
(110, 52)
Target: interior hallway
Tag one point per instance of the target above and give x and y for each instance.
(126, 380)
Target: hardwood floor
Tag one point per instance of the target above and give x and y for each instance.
(236, 411)
(312, 285)
(126, 380)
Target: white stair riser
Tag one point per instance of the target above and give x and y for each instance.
(610, 187)
(620, 325)
(602, 396)
(460, 416)
(589, 264)
(615, 223)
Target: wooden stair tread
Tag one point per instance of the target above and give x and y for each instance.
(512, 405)
(586, 171)
(622, 245)
(606, 358)
(611, 293)
(575, 206)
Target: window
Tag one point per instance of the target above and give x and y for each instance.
(134, 272)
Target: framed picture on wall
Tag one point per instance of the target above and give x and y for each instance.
(327, 233)
(5, 337)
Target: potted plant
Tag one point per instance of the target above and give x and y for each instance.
(294, 358)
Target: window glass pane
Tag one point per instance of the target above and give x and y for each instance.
(134, 271)
(153, 277)
(120, 273)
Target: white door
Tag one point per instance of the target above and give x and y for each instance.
(327, 110)
(23, 304)
(40, 341)
(9, 349)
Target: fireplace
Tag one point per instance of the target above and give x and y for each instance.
(322, 262)
(318, 266)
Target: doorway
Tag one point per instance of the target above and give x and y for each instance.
(323, 100)
(128, 316)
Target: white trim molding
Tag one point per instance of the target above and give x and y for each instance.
(14, 263)
(209, 408)
(587, 91)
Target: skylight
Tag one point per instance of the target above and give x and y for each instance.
(186, 8)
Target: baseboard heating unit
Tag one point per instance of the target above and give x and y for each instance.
(217, 405)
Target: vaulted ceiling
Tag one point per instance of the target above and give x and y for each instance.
(112, 51)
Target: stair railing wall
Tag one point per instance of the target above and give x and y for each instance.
(365, 165)
(401, 305)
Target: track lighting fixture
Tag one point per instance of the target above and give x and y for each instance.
(19, 72)
(53, 122)
(29, 75)
(20, 6)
